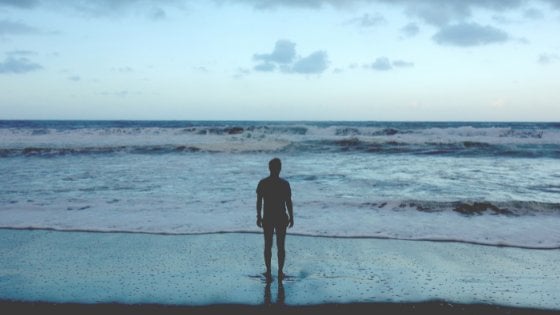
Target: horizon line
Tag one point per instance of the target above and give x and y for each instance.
(279, 120)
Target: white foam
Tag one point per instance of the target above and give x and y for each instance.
(408, 224)
(259, 138)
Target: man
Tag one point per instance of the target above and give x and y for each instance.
(277, 196)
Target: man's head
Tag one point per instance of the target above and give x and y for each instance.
(275, 165)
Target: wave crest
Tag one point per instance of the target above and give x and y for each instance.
(530, 140)
(471, 208)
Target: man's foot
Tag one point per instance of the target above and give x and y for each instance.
(281, 275)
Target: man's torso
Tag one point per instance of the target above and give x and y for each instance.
(275, 192)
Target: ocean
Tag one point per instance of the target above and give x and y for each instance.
(490, 183)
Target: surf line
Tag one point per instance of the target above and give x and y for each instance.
(435, 240)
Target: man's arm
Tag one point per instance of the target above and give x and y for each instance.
(289, 205)
(290, 211)
(259, 210)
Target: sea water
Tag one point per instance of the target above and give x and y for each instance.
(475, 182)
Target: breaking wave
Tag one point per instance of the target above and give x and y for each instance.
(53, 138)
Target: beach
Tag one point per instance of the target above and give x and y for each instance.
(121, 216)
(211, 273)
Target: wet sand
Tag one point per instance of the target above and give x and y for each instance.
(220, 273)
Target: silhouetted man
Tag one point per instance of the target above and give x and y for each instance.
(277, 196)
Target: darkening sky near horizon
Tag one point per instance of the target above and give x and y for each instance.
(280, 59)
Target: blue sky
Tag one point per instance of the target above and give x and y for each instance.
(280, 59)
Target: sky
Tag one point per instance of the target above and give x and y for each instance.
(459, 60)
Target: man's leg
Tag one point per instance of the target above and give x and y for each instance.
(280, 240)
(268, 233)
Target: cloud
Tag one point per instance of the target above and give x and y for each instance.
(527, 14)
(469, 34)
(443, 12)
(14, 64)
(24, 4)
(385, 64)
(265, 67)
(381, 64)
(533, 14)
(240, 73)
(437, 15)
(269, 4)
(315, 63)
(202, 69)
(157, 14)
(435, 12)
(545, 59)
(403, 64)
(284, 57)
(315, 4)
(16, 28)
(21, 53)
(75, 78)
(554, 3)
(153, 9)
(367, 20)
(284, 52)
(101, 7)
(410, 30)
(431, 11)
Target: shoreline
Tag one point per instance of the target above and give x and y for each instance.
(428, 307)
(259, 232)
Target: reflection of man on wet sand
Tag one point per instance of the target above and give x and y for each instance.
(281, 295)
(277, 196)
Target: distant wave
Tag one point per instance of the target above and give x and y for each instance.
(134, 149)
(52, 138)
(460, 148)
(471, 208)
(463, 148)
(535, 131)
